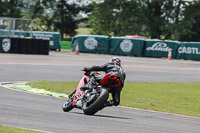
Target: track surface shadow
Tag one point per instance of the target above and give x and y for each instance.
(105, 116)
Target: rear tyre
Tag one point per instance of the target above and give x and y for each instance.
(98, 103)
(67, 106)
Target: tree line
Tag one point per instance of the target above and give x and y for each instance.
(161, 19)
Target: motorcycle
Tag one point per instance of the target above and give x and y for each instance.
(91, 100)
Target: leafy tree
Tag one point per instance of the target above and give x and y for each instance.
(102, 18)
(64, 17)
(54, 15)
(114, 17)
(151, 18)
(190, 27)
(160, 17)
(119, 17)
(126, 17)
(10, 8)
(163, 19)
(41, 12)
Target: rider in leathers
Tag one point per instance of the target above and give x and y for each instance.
(113, 68)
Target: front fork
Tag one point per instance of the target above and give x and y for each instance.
(89, 97)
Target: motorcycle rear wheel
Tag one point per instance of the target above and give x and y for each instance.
(97, 104)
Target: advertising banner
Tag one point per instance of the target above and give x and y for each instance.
(5, 45)
(126, 46)
(160, 48)
(53, 37)
(24, 46)
(189, 50)
(91, 43)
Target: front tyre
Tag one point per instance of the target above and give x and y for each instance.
(67, 106)
(97, 104)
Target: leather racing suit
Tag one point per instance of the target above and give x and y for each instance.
(111, 69)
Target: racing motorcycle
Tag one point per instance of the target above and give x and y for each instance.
(91, 100)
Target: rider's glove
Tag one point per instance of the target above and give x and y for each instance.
(86, 69)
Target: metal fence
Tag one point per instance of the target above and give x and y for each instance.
(14, 27)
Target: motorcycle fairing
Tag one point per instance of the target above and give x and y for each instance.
(79, 94)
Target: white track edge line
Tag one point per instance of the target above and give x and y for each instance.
(25, 91)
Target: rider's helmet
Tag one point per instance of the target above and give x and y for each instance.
(116, 61)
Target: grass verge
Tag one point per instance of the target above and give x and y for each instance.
(54, 86)
(66, 46)
(83, 31)
(172, 97)
(5, 129)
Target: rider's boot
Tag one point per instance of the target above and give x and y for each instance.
(89, 84)
(107, 104)
(86, 87)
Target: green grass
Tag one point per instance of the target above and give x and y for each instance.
(172, 97)
(180, 98)
(5, 129)
(83, 31)
(54, 86)
(66, 46)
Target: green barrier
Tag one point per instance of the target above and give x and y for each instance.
(189, 51)
(53, 37)
(20, 34)
(91, 43)
(126, 46)
(5, 45)
(160, 48)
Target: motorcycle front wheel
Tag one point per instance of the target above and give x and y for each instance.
(67, 106)
(97, 104)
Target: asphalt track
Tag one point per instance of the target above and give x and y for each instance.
(26, 110)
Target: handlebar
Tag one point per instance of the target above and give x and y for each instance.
(86, 72)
